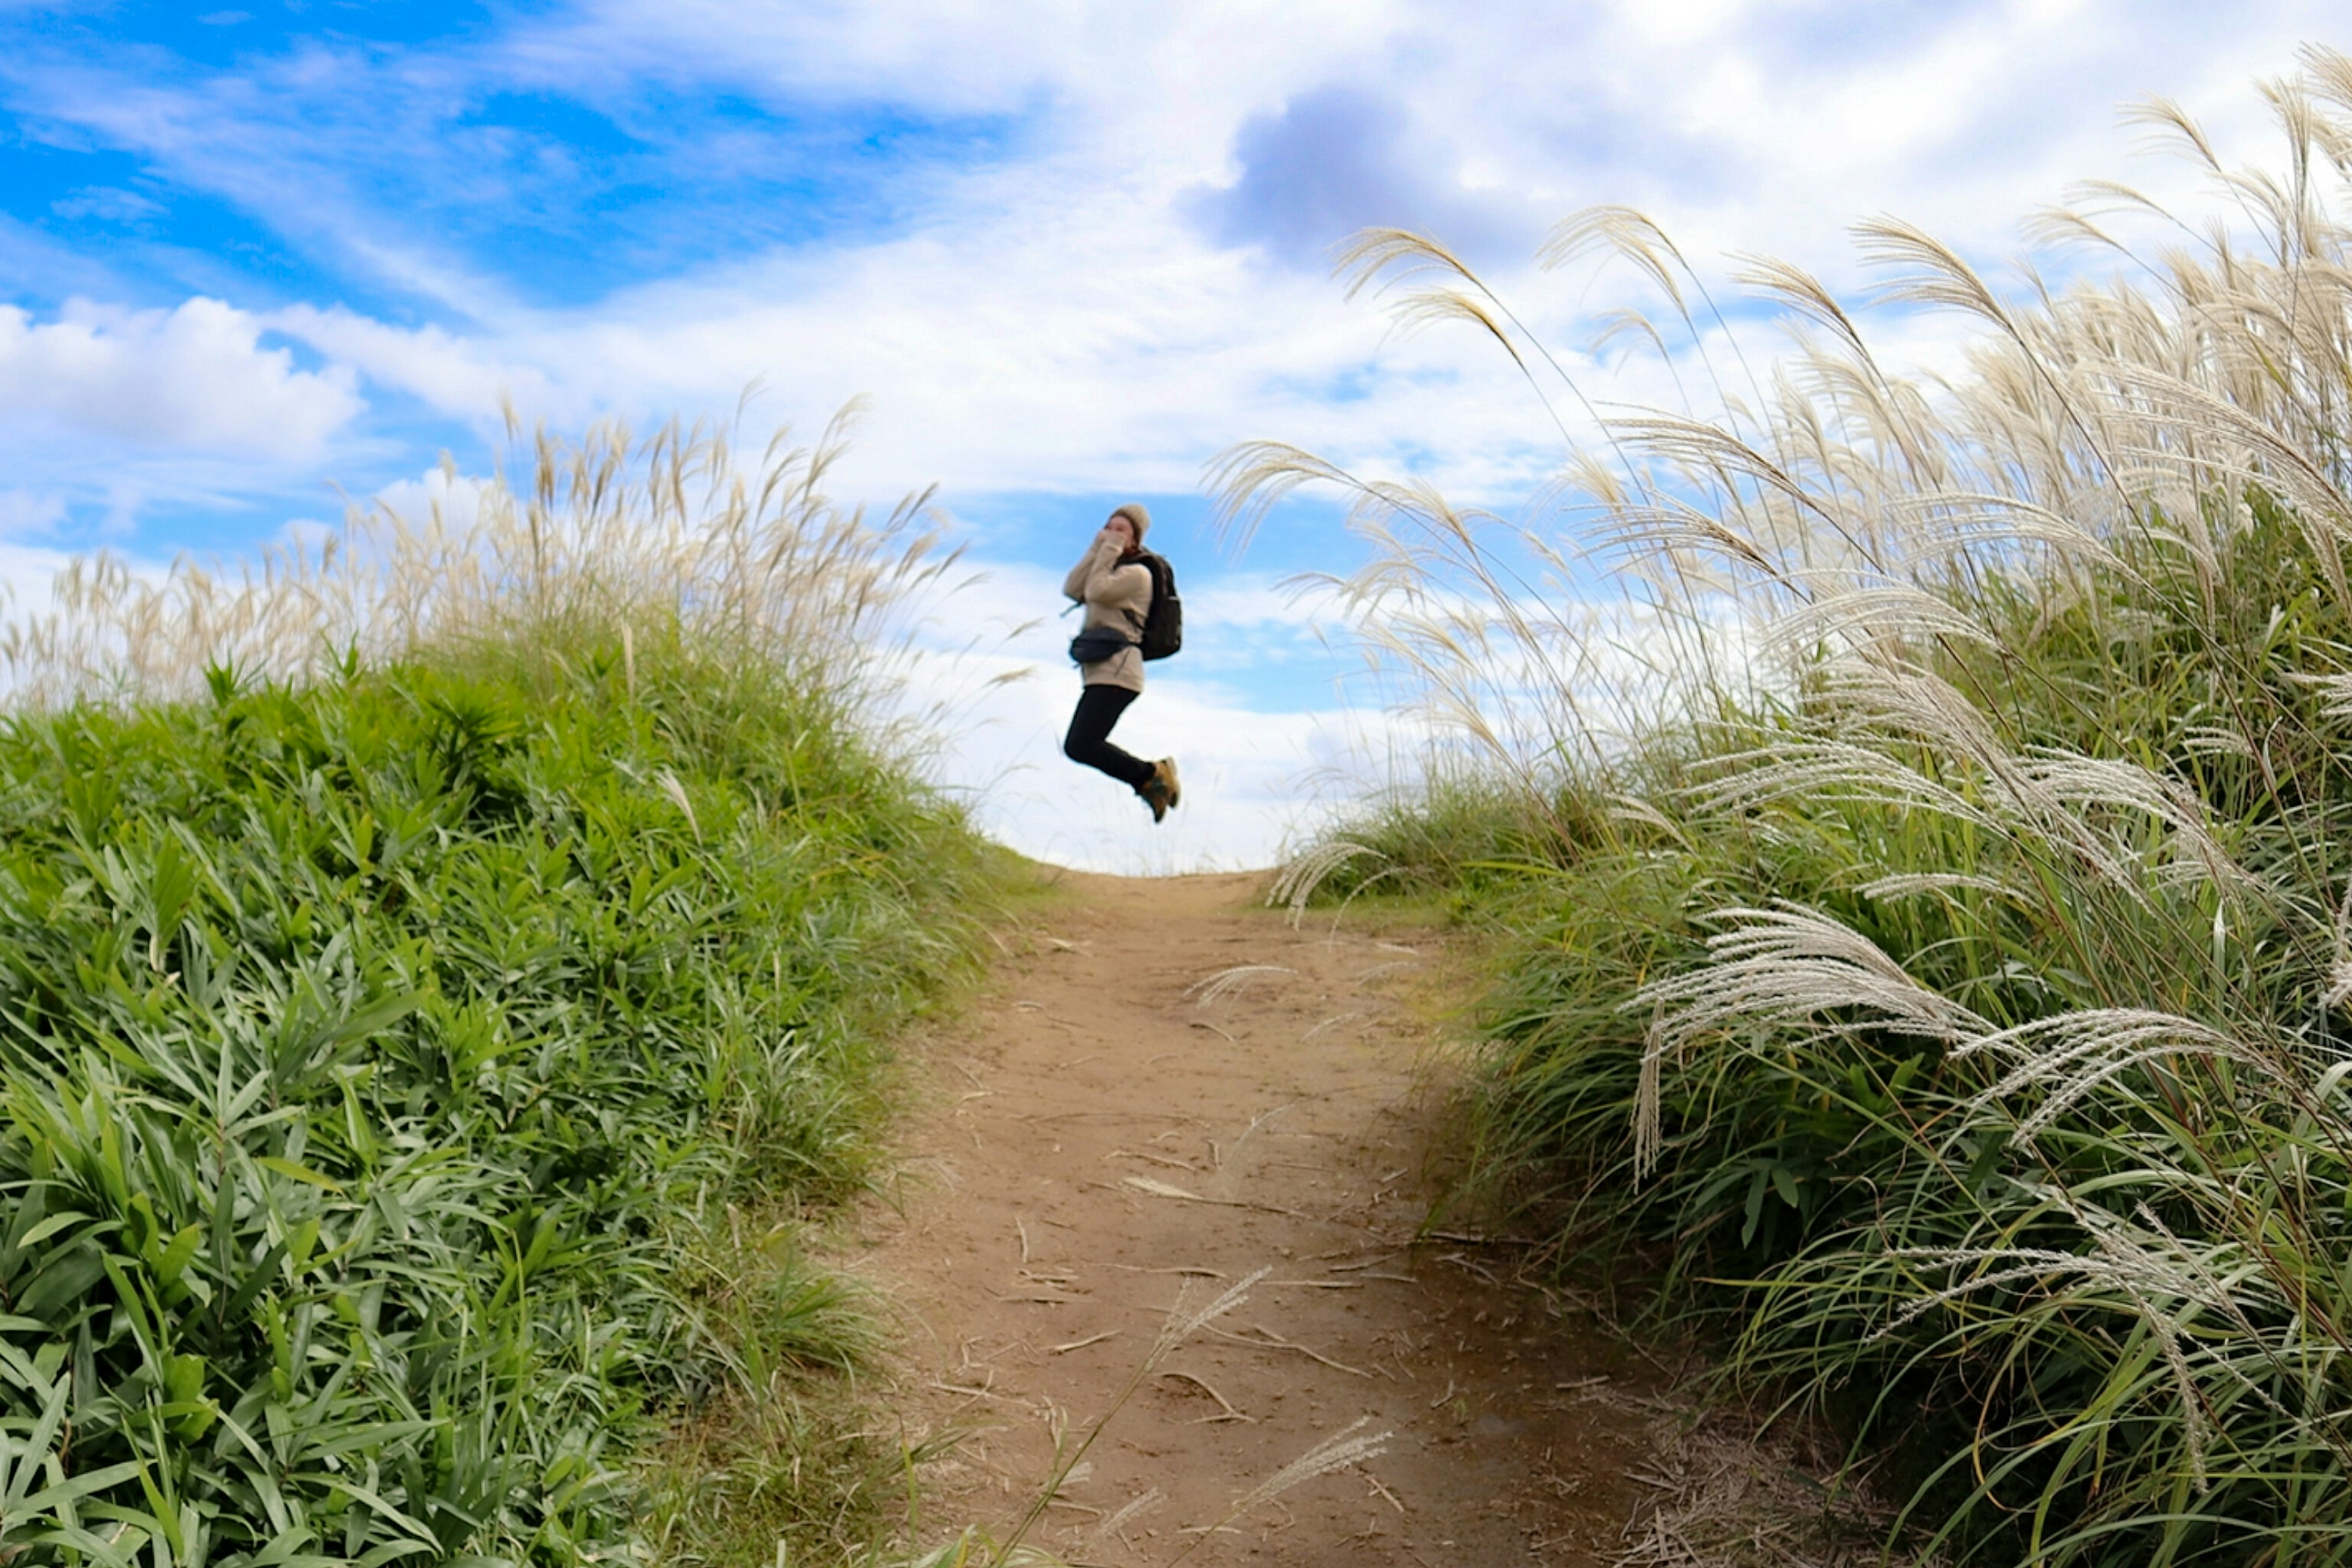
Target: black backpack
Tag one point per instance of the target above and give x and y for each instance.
(1163, 625)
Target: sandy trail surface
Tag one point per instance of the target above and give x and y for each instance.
(1165, 1089)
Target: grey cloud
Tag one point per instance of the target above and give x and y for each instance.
(1339, 159)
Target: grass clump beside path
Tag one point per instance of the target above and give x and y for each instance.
(1942, 984)
(411, 1069)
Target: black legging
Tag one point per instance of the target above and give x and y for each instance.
(1088, 740)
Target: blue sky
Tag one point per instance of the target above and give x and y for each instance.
(261, 255)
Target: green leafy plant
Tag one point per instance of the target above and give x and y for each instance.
(392, 1043)
(1933, 962)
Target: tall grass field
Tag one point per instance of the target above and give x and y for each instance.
(437, 976)
(1915, 817)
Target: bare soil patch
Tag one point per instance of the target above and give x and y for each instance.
(1170, 1084)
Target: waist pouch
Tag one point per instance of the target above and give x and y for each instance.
(1095, 646)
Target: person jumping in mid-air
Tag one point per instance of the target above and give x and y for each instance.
(1115, 587)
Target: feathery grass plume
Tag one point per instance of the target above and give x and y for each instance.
(1297, 879)
(1805, 768)
(1341, 1450)
(2067, 1057)
(1977, 963)
(1213, 989)
(1783, 967)
(1796, 965)
(680, 529)
(1881, 622)
(1183, 1322)
(1135, 1508)
(1912, 884)
(1184, 1319)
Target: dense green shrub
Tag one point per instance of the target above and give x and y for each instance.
(376, 1052)
(1942, 976)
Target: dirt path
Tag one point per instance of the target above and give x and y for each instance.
(1171, 1091)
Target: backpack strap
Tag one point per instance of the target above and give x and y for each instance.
(1143, 560)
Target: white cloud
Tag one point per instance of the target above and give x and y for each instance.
(455, 499)
(29, 511)
(959, 56)
(1052, 315)
(106, 203)
(194, 378)
(455, 375)
(1072, 307)
(988, 680)
(1057, 319)
(26, 573)
(1251, 778)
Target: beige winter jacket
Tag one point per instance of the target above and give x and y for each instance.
(1116, 598)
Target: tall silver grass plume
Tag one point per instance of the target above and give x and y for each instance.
(1648, 1098)
(1943, 524)
(1804, 769)
(2078, 782)
(2217, 741)
(1790, 964)
(2139, 1280)
(614, 531)
(2152, 1274)
(1225, 983)
(1785, 967)
(1912, 884)
(1183, 1321)
(2339, 972)
(2041, 797)
(2066, 1057)
(1920, 705)
(1300, 875)
(2334, 694)
(1885, 617)
(2219, 1296)
(1626, 806)
(670, 788)
(1135, 1508)
(1339, 1451)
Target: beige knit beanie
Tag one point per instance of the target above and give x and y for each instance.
(1133, 511)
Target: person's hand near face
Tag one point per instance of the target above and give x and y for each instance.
(1111, 683)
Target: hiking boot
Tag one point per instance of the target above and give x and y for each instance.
(1159, 791)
